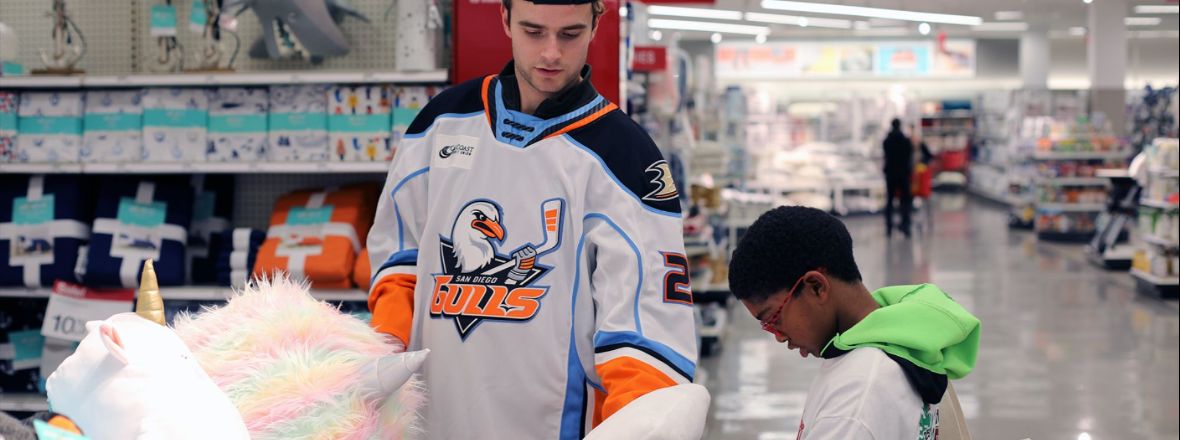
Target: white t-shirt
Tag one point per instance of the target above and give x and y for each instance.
(865, 395)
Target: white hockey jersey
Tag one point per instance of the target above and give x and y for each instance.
(539, 257)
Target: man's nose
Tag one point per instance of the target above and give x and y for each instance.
(550, 53)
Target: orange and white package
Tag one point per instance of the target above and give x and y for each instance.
(317, 234)
(360, 273)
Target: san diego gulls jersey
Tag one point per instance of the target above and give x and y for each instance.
(539, 258)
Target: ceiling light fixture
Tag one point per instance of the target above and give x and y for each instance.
(675, 11)
(924, 29)
(860, 11)
(1009, 15)
(1142, 21)
(657, 35)
(760, 38)
(833, 23)
(1077, 31)
(716, 38)
(705, 26)
(1008, 26)
(1157, 9)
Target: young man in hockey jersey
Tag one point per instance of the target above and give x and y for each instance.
(529, 235)
(887, 354)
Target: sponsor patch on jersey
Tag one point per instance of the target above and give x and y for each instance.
(454, 151)
(663, 187)
(480, 283)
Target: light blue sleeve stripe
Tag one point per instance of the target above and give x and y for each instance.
(401, 238)
(674, 359)
(638, 261)
(400, 258)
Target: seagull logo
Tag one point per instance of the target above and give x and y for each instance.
(478, 282)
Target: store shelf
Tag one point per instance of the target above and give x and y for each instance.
(1164, 172)
(23, 292)
(197, 167)
(23, 402)
(1160, 241)
(223, 79)
(202, 293)
(1071, 207)
(1066, 237)
(1080, 155)
(1075, 181)
(1117, 173)
(1158, 204)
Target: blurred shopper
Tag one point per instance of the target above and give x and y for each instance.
(899, 166)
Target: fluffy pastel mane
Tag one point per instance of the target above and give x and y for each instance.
(291, 364)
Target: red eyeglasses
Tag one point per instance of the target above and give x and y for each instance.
(771, 324)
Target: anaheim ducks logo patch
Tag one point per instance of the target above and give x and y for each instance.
(480, 283)
(661, 178)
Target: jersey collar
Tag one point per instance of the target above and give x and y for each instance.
(573, 108)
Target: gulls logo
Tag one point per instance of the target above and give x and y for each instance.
(478, 282)
(665, 187)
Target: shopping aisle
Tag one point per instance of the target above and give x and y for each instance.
(1067, 349)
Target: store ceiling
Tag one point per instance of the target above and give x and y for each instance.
(1062, 18)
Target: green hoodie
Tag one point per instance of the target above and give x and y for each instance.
(920, 324)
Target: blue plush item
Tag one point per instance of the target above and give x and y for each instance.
(127, 227)
(64, 213)
(250, 241)
(212, 211)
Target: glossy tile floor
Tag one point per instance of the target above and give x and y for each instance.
(1068, 351)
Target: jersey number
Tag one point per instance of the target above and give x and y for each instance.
(676, 281)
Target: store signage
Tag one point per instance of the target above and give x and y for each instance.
(650, 59)
(71, 306)
(945, 58)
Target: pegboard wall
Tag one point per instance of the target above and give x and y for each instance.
(256, 193)
(119, 39)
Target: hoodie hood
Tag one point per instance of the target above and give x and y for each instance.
(919, 324)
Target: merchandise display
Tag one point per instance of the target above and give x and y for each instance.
(175, 125)
(113, 126)
(1155, 264)
(138, 219)
(237, 124)
(44, 225)
(359, 123)
(298, 123)
(20, 333)
(317, 234)
(1069, 155)
(50, 127)
(213, 201)
(9, 123)
(237, 256)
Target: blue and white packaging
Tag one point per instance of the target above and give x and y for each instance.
(135, 220)
(8, 125)
(407, 102)
(237, 124)
(50, 127)
(237, 255)
(212, 209)
(44, 221)
(113, 126)
(175, 125)
(298, 125)
(358, 123)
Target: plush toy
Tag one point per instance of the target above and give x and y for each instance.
(672, 413)
(298, 368)
(133, 378)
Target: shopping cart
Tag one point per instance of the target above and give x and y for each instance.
(922, 187)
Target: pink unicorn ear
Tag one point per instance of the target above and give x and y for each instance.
(110, 338)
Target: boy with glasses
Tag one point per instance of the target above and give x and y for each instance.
(887, 354)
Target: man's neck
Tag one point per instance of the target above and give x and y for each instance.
(857, 304)
(531, 98)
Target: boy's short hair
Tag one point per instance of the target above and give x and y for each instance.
(785, 243)
(598, 6)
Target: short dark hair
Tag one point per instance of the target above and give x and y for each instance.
(598, 6)
(785, 243)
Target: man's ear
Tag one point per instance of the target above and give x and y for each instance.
(504, 16)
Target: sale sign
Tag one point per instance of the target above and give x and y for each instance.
(650, 59)
(71, 306)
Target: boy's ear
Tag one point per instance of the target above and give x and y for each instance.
(820, 285)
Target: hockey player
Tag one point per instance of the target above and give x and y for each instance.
(887, 354)
(529, 235)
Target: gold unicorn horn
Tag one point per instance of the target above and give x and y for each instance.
(149, 304)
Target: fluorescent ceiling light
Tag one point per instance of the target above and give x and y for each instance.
(1009, 15)
(716, 14)
(883, 32)
(799, 21)
(924, 29)
(1008, 26)
(1077, 31)
(1157, 9)
(860, 11)
(861, 25)
(705, 26)
(1142, 21)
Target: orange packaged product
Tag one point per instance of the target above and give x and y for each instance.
(318, 234)
(360, 273)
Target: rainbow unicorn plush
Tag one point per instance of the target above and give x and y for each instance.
(273, 363)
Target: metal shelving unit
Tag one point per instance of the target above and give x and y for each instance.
(221, 79)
